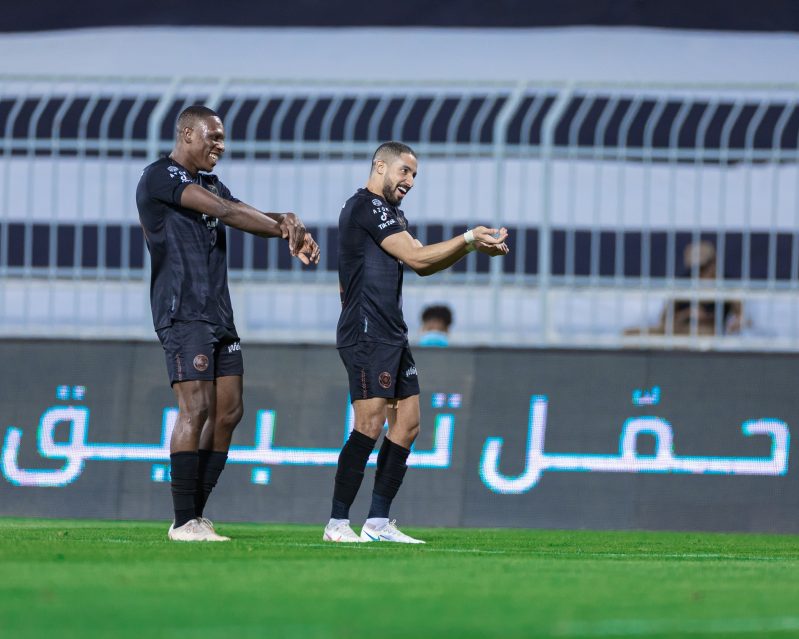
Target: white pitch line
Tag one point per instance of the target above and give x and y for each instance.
(375, 545)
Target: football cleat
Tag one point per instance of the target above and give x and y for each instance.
(193, 530)
(340, 531)
(389, 532)
(210, 527)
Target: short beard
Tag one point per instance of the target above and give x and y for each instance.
(388, 194)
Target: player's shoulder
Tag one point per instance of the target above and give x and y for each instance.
(359, 198)
(160, 164)
(165, 168)
(365, 202)
(153, 166)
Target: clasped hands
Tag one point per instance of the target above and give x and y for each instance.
(301, 243)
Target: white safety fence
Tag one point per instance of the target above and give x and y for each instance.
(602, 186)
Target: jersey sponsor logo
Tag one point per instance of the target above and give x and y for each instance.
(201, 362)
(235, 346)
(175, 171)
(385, 379)
(411, 372)
(377, 202)
(386, 224)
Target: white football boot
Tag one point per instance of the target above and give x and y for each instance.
(388, 532)
(192, 530)
(339, 530)
(210, 527)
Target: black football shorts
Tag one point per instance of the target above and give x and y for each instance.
(380, 370)
(198, 350)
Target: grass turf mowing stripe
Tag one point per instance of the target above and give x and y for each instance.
(91, 579)
(680, 627)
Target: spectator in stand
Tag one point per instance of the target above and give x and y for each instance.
(678, 315)
(436, 320)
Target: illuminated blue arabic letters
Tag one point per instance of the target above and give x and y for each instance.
(489, 462)
(643, 397)
(628, 460)
(77, 450)
(72, 451)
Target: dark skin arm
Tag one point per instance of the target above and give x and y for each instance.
(246, 218)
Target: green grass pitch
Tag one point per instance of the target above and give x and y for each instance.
(84, 579)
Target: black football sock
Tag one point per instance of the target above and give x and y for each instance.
(184, 485)
(391, 466)
(212, 463)
(349, 475)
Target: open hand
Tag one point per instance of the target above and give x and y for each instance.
(491, 241)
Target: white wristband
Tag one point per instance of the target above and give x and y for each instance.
(469, 237)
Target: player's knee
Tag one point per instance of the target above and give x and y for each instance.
(230, 419)
(191, 419)
(197, 414)
(370, 427)
(194, 411)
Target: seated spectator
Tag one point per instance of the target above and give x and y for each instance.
(699, 258)
(436, 321)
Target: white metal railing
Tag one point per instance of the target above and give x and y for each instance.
(602, 185)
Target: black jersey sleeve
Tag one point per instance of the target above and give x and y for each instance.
(378, 220)
(166, 183)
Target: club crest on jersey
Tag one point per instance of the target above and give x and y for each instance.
(385, 379)
(201, 362)
(377, 202)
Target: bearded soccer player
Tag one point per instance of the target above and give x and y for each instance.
(372, 338)
(184, 210)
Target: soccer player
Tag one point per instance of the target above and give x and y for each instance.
(184, 210)
(372, 338)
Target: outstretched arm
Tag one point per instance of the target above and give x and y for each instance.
(247, 218)
(426, 260)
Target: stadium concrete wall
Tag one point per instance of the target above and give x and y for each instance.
(510, 438)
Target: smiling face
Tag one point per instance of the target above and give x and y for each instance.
(200, 143)
(398, 174)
